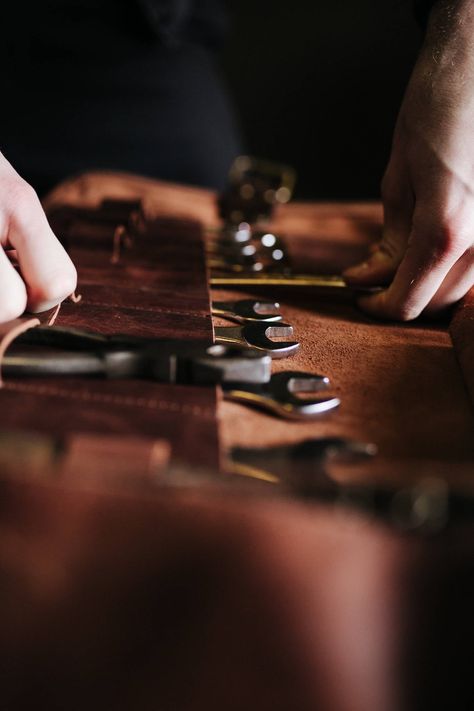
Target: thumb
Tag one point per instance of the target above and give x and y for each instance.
(385, 256)
(381, 265)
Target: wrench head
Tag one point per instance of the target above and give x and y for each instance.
(250, 310)
(259, 335)
(284, 389)
(281, 397)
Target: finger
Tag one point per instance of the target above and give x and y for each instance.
(385, 257)
(46, 268)
(379, 268)
(455, 285)
(429, 257)
(12, 290)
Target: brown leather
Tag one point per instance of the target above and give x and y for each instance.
(100, 462)
(187, 601)
(400, 384)
(157, 198)
(211, 599)
(153, 285)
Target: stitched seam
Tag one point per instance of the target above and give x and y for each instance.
(158, 309)
(151, 404)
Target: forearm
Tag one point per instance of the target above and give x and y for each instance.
(426, 255)
(439, 100)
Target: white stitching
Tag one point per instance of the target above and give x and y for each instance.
(86, 396)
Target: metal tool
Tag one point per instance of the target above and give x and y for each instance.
(301, 467)
(271, 249)
(258, 335)
(234, 235)
(254, 188)
(243, 373)
(244, 254)
(56, 351)
(222, 266)
(280, 395)
(302, 471)
(247, 247)
(247, 310)
(314, 281)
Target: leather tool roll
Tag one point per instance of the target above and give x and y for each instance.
(197, 600)
(153, 284)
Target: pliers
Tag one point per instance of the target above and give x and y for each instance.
(63, 351)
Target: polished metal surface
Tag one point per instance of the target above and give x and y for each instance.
(296, 281)
(247, 310)
(49, 351)
(280, 396)
(258, 335)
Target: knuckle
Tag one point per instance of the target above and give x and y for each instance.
(19, 205)
(448, 236)
(18, 195)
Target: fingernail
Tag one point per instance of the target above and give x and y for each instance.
(356, 270)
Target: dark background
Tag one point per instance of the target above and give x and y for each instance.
(318, 84)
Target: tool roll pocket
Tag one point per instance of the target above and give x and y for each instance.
(136, 277)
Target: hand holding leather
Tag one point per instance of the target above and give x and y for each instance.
(46, 274)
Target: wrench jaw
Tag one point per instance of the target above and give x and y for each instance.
(259, 335)
(278, 396)
(284, 388)
(266, 310)
(259, 311)
(247, 310)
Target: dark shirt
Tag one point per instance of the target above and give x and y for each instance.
(115, 84)
(423, 9)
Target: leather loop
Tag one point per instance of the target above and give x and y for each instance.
(11, 331)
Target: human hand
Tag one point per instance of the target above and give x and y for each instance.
(426, 254)
(47, 275)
